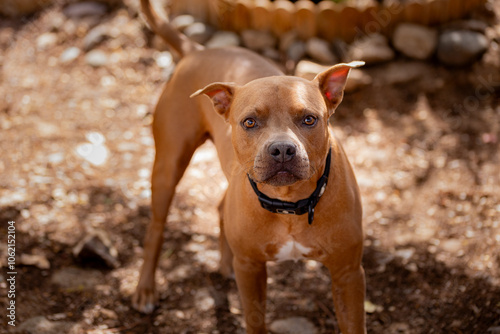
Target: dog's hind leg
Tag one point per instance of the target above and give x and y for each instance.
(178, 129)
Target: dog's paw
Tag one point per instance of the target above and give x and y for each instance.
(144, 300)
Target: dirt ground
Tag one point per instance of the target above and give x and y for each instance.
(76, 154)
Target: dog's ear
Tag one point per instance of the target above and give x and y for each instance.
(332, 82)
(221, 95)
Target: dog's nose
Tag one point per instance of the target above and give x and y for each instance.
(282, 151)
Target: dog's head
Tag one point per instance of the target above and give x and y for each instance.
(280, 124)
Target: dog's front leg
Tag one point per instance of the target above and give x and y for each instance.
(251, 278)
(348, 288)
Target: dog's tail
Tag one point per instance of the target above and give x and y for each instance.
(161, 26)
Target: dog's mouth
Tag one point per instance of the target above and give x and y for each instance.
(280, 174)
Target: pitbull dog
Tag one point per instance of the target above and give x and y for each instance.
(292, 193)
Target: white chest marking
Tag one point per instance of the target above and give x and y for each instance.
(292, 250)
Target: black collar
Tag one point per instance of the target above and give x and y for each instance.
(300, 207)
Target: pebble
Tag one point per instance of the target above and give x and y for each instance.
(371, 49)
(37, 260)
(96, 58)
(319, 50)
(69, 54)
(223, 39)
(46, 41)
(86, 8)
(199, 32)
(94, 37)
(415, 41)
(461, 47)
(293, 325)
(258, 40)
(163, 59)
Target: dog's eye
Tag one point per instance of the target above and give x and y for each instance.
(249, 123)
(309, 120)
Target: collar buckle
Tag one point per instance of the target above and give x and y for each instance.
(286, 212)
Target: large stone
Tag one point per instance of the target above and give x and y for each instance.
(258, 40)
(199, 32)
(415, 41)
(223, 39)
(458, 48)
(319, 50)
(371, 49)
(181, 22)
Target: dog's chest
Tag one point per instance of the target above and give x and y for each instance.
(292, 250)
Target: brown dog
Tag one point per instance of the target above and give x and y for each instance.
(292, 193)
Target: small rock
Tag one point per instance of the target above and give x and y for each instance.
(46, 41)
(96, 246)
(41, 325)
(319, 50)
(203, 300)
(96, 58)
(94, 37)
(164, 59)
(294, 325)
(87, 8)
(296, 51)
(258, 40)
(372, 308)
(181, 22)
(415, 41)
(403, 72)
(451, 246)
(223, 39)
(199, 32)
(69, 54)
(39, 261)
(458, 48)
(371, 49)
(108, 314)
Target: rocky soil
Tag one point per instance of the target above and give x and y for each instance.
(78, 86)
